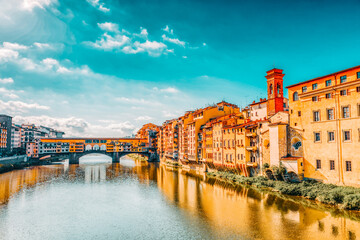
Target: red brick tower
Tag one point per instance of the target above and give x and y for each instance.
(275, 101)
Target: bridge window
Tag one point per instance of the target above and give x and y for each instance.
(102, 141)
(96, 141)
(88, 141)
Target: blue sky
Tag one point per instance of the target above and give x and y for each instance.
(105, 67)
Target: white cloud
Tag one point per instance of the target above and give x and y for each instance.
(168, 30)
(143, 118)
(136, 101)
(109, 26)
(50, 62)
(71, 126)
(204, 44)
(184, 57)
(7, 55)
(167, 90)
(19, 106)
(107, 42)
(169, 114)
(99, 5)
(153, 48)
(6, 80)
(78, 127)
(144, 32)
(8, 93)
(14, 46)
(42, 45)
(173, 40)
(31, 4)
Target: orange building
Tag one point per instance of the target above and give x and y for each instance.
(325, 111)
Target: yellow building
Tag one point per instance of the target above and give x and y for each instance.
(325, 111)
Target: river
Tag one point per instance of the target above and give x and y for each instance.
(100, 200)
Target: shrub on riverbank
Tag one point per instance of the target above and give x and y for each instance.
(345, 197)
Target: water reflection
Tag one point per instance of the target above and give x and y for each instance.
(171, 204)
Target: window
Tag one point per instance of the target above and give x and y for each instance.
(295, 96)
(330, 114)
(347, 135)
(315, 99)
(318, 164)
(348, 166)
(314, 86)
(271, 89)
(358, 89)
(358, 75)
(316, 116)
(299, 113)
(278, 88)
(331, 136)
(332, 165)
(317, 137)
(328, 83)
(343, 92)
(346, 112)
(328, 95)
(343, 79)
(358, 109)
(304, 89)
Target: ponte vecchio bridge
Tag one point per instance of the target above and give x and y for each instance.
(75, 148)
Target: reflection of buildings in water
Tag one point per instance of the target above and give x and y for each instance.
(12, 182)
(251, 213)
(95, 173)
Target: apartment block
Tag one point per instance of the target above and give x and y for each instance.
(325, 111)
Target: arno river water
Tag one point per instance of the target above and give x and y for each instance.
(100, 200)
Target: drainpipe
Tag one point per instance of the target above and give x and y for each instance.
(338, 129)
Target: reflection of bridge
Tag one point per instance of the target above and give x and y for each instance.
(75, 148)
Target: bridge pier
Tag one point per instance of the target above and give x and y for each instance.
(73, 158)
(116, 157)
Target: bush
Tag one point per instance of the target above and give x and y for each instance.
(352, 202)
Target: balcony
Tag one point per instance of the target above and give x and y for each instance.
(191, 158)
(251, 134)
(251, 148)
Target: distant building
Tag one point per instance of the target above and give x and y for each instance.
(17, 133)
(5, 123)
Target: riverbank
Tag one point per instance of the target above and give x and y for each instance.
(10, 167)
(347, 198)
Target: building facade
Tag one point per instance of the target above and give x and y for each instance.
(325, 112)
(6, 123)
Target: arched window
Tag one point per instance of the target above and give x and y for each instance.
(271, 89)
(295, 96)
(278, 89)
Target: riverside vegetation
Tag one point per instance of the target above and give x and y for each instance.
(347, 198)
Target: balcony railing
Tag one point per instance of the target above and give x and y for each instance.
(251, 148)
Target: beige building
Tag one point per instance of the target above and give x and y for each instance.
(325, 112)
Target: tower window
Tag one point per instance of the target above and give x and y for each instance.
(271, 89)
(295, 96)
(278, 89)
